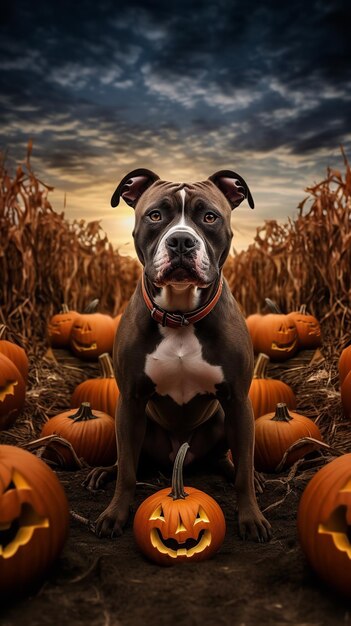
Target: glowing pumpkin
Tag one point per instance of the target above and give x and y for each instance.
(276, 336)
(12, 392)
(324, 521)
(60, 327)
(184, 524)
(34, 519)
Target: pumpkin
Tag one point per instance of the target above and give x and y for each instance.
(307, 327)
(344, 364)
(17, 355)
(265, 392)
(91, 433)
(346, 395)
(12, 392)
(324, 520)
(92, 334)
(102, 393)
(34, 519)
(60, 326)
(276, 432)
(276, 336)
(117, 320)
(181, 524)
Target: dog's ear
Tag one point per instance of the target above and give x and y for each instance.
(233, 187)
(133, 186)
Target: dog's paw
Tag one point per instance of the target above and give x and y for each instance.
(111, 522)
(254, 526)
(99, 476)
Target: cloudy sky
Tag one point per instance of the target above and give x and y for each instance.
(182, 88)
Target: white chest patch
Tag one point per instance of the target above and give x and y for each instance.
(177, 367)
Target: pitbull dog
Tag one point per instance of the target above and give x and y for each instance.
(182, 356)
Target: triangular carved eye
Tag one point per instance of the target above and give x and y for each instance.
(10, 486)
(201, 516)
(158, 514)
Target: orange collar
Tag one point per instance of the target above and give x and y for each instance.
(175, 320)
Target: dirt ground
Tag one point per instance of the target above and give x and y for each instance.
(109, 583)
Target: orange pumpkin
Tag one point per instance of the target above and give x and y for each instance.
(60, 327)
(252, 323)
(12, 392)
(307, 327)
(181, 524)
(344, 364)
(17, 355)
(117, 320)
(276, 336)
(265, 392)
(91, 433)
(34, 519)
(324, 520)
(92, 334)
(276, 432)
(102, 393)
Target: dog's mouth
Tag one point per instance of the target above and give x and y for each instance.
(181, 272)
(175, 549)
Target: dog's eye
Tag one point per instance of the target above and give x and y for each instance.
(210, 218)
(155, 216)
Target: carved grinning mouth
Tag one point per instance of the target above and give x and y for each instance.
(175, 549)
(19, 531)
(82, 346)
(284, 346)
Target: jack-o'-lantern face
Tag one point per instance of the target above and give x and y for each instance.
(92, 334)
(8, 389)
(284, 338)
(59, 328)
(308, 326)
(34, 519)
(338, 524)
(188, 537)
(18, 518)
(83, 338)
(169, 531)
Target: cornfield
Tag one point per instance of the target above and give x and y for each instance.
(305, 261)
(46, 260)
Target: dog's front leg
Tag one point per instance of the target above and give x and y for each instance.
(239, 424)
(130, 427)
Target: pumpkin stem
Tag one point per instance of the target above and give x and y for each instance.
(178, 492)
(106, 365)
(261, 364)
(64, 308)
(303, 308)
(84, 413)
(272, 306)
(92, 306)
(281, 413)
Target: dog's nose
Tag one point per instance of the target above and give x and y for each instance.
(181, 243)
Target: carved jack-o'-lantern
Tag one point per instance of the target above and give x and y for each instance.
(324, 523)
(276, 336)
(308, 328)
(33, 518)
(184, 524)
(12, 392)
(60, 327)
(92, 334)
